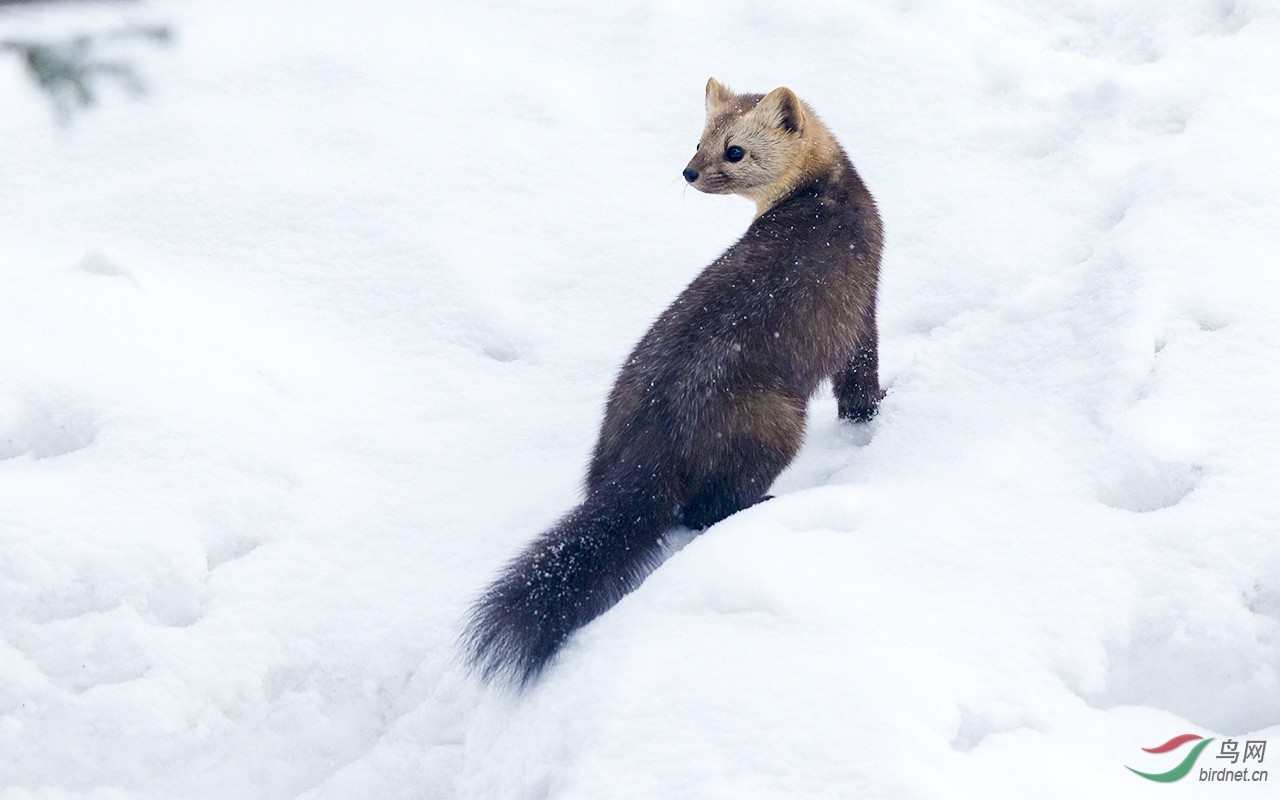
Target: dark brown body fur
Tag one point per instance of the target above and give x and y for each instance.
(710, 405)
(714, 396)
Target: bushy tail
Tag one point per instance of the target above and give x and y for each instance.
(567, 577)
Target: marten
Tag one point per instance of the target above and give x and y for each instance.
(710, 405)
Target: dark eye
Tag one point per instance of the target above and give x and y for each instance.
(734, 153)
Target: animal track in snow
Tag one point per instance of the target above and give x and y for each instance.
(1210, 664)
(1209, 323)
(1264, 600)
(976, 726)
(501, 352)
(1145, 484)
(90, 650)
(45, 429)
(1149, 466)
(488, 337)
(106, 263)
(229, 550)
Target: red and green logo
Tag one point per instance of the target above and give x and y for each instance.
(1180, 771)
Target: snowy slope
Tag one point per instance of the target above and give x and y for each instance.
(297, 351)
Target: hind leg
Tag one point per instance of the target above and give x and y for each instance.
(720, 497)
(857, 385)
(738, 456)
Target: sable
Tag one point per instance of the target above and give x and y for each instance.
(710, 405)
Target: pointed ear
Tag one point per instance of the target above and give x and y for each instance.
(781, 108)
(717, 95)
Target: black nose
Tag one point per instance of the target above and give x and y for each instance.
(690, 174)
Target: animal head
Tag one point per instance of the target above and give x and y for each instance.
(758, 146)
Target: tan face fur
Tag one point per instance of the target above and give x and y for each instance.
(781, 142)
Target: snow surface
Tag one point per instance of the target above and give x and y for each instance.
(295, 352)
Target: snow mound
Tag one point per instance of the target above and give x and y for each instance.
(298, 349)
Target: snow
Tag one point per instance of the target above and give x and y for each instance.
(297, 350)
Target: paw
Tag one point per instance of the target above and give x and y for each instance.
(862, 410)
